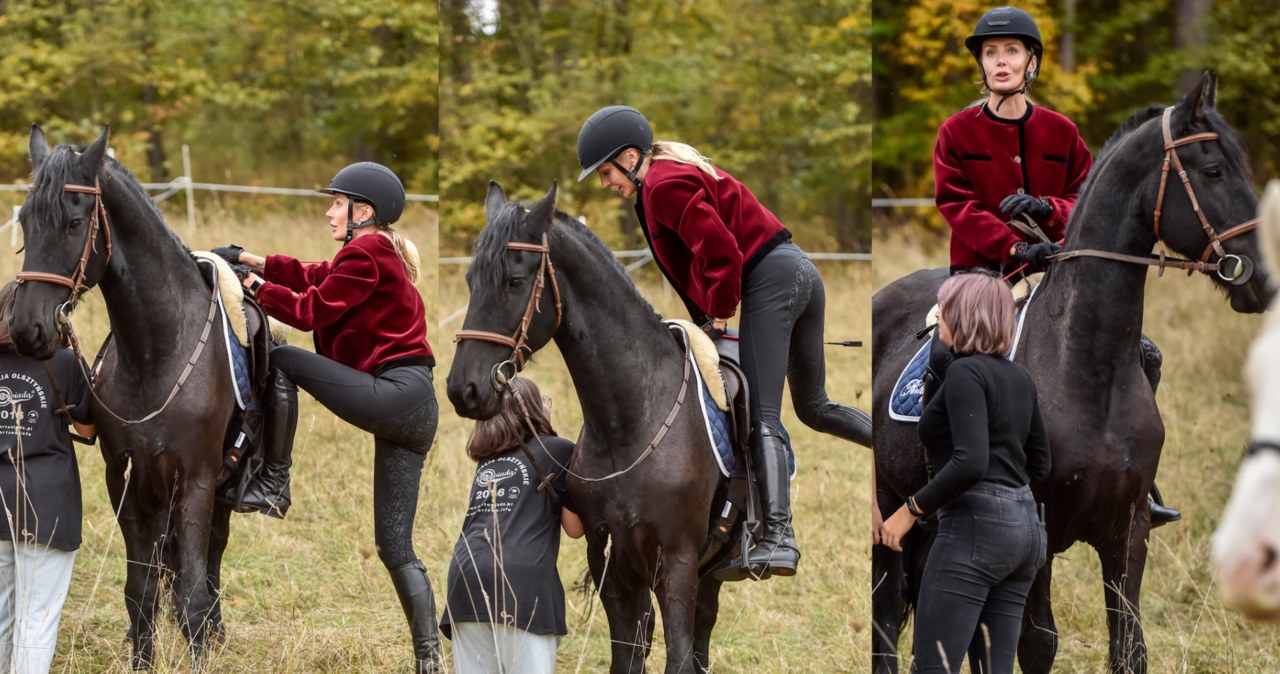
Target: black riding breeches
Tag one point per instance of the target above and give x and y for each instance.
(399, 408)
(1152, 359)
(783, 302)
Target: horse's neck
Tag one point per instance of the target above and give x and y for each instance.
(1094, 306)
(150, 286)
(624, 363)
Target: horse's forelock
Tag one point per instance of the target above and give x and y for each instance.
(489, 259)
(58, 169)
(1233, 150)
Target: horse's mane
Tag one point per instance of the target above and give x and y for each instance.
(1232, 149)
(56, 171)
(490, 260)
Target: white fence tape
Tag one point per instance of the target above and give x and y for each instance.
(182, 182)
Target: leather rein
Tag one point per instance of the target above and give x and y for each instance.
(517, 342)
(1236, 273)
(76, 283)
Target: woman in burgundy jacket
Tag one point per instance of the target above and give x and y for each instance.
(1005, 159)
(372, 368)
(719, 247)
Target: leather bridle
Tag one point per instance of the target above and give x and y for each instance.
(516, 342)
(1232, 268)
(76, 282)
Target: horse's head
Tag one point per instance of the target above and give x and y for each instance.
(65, 237)
(511, 282)
(1246, 546)
(1200, 210)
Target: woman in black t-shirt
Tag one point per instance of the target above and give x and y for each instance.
(39, 492)
(505, 607)
(985, 436)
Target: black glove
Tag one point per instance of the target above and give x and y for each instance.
(712, 331)
(242, 271)
(229, 253)
(1033, 253)
(1036, 207)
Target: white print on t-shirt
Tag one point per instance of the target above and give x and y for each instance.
(15, 389)
(494, 489)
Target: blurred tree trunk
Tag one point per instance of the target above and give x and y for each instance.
(1191, 37)
(1067, 43)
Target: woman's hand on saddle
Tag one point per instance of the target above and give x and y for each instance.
(715, 328)
(1036, 207)
(898, 526)
(229, 252)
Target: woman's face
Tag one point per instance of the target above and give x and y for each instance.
(337, 215)
(613, 179)
(1005, 61)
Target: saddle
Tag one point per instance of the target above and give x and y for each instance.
(735, 513)
(249, 341)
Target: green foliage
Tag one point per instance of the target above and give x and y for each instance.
(281, 90)
(1126, 58)
(776, 102)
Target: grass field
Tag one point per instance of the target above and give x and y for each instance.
(309, 595)
(1204, 403)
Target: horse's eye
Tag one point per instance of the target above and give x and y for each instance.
(1213, 172)
(76, 223)
(515, 282)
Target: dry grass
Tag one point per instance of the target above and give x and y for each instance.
(1204, 402)
(309, 595)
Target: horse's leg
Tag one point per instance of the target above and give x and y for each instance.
(192, 524)
(677, 590)
(1124, 559)
(143, 537)
(218, 537)
(888, 596)
(627, 608)
(705, 621)
(1038, 645)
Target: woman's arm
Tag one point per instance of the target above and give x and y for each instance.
(84, 430)
(350, 281)
(571, 523)
(681, 204)
(966, 403)
(958, 202)
(1036, 448)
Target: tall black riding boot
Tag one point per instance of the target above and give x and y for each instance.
(269, 491)
(419, 603)
(1160, 513)
(776, 553)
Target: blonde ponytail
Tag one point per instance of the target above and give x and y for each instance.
(685, 154)
(407, 252)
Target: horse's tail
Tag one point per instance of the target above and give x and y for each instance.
(1269, 235)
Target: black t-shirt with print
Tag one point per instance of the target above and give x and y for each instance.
(39, 479)
(509, 544)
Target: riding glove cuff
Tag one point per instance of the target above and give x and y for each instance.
(1036, 207)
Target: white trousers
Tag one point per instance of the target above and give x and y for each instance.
(485, 648)
(33, 585)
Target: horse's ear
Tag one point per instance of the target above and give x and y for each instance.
(1197, 103)
(93, 155)
(494, 200)
(1269, 227)
(37, 146)
(545, 210)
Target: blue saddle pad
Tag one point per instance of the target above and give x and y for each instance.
(905, 403)
(722, 439)
(239, 366)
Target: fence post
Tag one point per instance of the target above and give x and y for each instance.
(191, 202)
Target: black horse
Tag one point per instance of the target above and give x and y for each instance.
(88, 222)
(646, 501)
(1081, 345)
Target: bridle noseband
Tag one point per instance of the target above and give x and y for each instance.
(506, 370)
(1239, 272)
(1243, 267)
(76, 282)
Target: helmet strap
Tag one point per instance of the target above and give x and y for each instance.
(352, 225)
(631, 173)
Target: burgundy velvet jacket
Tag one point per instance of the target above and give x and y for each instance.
(363, 309)
(703, 232)
(981, 159)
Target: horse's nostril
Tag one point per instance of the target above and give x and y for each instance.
(1268, 558)
(471, 395)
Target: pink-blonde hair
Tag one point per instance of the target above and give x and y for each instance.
(978, 307)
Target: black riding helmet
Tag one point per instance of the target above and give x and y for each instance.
(1007, 22)
(607, 132)
(373, 184)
